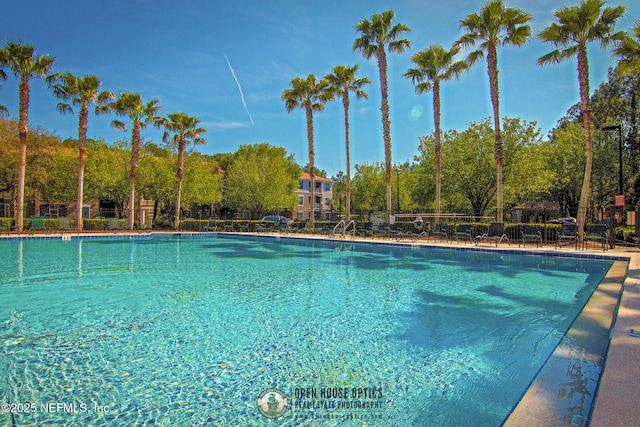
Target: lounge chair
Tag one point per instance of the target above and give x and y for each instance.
(494, 234)
(5, 227)
(568, 233)
(462, 231)
(37, 224)
(211, 225)
(530, 233)
(439, 230)
(596, 233)
(228, 226)
(113, 224)
(64, 224)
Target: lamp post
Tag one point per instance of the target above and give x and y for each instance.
(619, 129)
(398, 187)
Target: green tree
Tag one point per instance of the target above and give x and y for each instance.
(203, 184)
(106, 172)
(156, 177)
(262, 178)
(433, 66)
(575, 28)
(628, 51)
(130, 105)
(376, 36)
(26, 65)
(82, 92)
(310, 95)
(342, 81)
(496, 25)
(185, 129)
(369, 187)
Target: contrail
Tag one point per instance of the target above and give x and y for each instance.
(239, 88)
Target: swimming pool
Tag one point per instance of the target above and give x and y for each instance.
(175, 330)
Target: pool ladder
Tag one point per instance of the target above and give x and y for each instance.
(343, 229)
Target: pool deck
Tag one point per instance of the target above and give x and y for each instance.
(618, 394)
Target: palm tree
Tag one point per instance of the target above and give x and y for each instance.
(25, 65)
(130, 105)
(377, 35)
(435, 65)
(184, 129)
(576, 27)
(495, 26)
(342, 81)
(311, 95)
(628, 51)
(3, 76)
(83, 92)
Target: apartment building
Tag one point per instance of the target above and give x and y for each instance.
(322, 193)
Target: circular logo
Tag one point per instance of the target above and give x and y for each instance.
(272, 403)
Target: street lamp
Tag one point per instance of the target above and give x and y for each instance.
(619, 129)
(398, 187)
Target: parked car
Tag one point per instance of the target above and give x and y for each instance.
(279, 220)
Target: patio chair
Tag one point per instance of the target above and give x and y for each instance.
(494, 234)
(211, 225)
(567, 233)
(462, 231)
(530, 233)
(228, 226)
(595, 233)
(37, 224)
(64, 224)
(439, 230)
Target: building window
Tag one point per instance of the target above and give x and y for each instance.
(318, 185)
(300, 200)
(327, 187)
(327, 201)
(300, 184)
(327, 216)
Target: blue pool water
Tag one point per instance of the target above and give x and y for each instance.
(170, 330)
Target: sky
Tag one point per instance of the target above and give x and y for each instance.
(228, 62)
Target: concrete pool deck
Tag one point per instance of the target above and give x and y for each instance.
(618, 394)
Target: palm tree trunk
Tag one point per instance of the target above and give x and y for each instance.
(180, 176)
(585, 106)
(135, 150)
(23, 128)
(82, 154)
(438, 145)
(312, 159)
(386, 125)
(498, 148)
(345, 103)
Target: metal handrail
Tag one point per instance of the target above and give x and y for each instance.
(338, 225)
(353, 229)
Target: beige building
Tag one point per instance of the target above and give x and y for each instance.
(323, 192)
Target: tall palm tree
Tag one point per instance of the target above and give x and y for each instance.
(140, 114)
(628, 51)
(496, 25)
(26, 65)
(3, 76)
(83, 92)
(342, 81)
(433, 66)
(180, 130)
(574, 28)
(311, 95)
(376, 36)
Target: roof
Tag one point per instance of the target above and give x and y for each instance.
(305, 175)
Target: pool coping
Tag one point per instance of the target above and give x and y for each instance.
(614, 307)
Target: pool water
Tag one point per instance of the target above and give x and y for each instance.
(174, 330)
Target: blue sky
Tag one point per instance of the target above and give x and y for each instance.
(175, 51)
